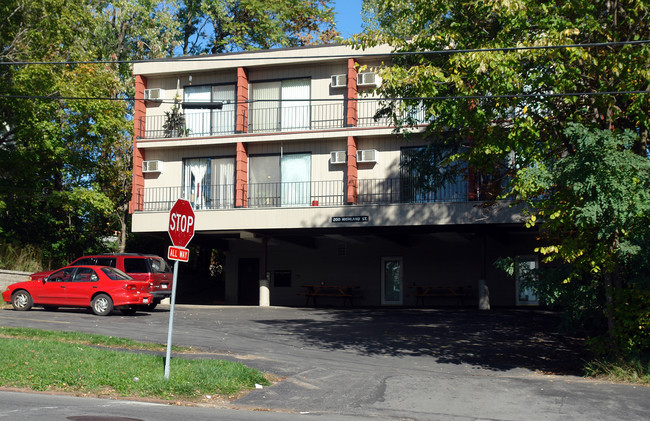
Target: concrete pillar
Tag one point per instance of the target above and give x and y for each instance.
(265, 282)
(265, 293)
(483, 295)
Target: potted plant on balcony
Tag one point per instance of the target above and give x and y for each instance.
(174, 125)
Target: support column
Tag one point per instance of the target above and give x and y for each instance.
(483, 291)
(352, 187)
(265, 293)
(241, 176)
(351, 109)
(139, 116)
(242, 100)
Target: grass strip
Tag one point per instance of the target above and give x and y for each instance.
(631, 370)
(51, 363)
(85, 339)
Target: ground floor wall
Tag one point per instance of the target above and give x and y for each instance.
(429, 259)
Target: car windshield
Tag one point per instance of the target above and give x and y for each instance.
(159, 265)
(116, 274)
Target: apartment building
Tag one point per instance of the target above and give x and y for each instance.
(298, 181)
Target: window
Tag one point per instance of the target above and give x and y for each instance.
(63, 275)
(116, 274)
(295, 170)
(282, 278)
(86, 261)
(280, 106)
(280, 180)
(135, 265)
(85, 275)
(159, 266)
(426, 176)
(197, 172)
(206, 122)
(106, 261)
(209, 183)
(222, 188)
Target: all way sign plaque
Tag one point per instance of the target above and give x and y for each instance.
(178, 253)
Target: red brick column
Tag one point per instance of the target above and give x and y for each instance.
(352, 95)
(352, 170)
(241, 176)
(242, 100)
(139, 114)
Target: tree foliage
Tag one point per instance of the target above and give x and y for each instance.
(571, 123)
(218, 26)
(66, 129)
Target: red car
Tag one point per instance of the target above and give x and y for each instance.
(101, 288)
(141, 267)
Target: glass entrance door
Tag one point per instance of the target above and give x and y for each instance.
(392, 285)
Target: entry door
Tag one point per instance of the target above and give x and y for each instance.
(249, 282)
(392, 285)
(525, 270)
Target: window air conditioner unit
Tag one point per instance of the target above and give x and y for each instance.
(338, 157)
(153, 94)
(339, 81)
(152, 166)
(367, 155)
(367, 79)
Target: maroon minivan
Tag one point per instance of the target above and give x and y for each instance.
(141, 267)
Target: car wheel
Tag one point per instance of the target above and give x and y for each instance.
(102, 305)
(21, 300)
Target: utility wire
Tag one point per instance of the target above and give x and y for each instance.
(361, 99)
(229, 56)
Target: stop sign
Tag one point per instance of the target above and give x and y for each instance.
(181, 223)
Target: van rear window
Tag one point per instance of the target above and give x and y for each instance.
(159, 266)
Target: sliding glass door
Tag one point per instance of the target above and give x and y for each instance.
(280, 106)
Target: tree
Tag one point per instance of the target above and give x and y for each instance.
(218, 26)
(492, 71)
(66, 128)
(51, 184)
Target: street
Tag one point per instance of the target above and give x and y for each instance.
(352, 364)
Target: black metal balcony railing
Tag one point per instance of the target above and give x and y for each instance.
(268, 117)
(408, 190)
(297, 194)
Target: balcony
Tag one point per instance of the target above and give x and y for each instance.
(297, 194)
(268, 117)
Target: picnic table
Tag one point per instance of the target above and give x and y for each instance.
(425, 291)
(313, 291)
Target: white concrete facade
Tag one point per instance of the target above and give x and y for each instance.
(350, 222)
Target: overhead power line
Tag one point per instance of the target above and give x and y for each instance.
(432, 98)
(232, 56)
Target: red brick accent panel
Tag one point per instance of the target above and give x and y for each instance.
(242, 100)
(352, 170)
(241, 177)
(353, 94)
(139, 114)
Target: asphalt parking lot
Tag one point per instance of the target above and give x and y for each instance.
(418, 364)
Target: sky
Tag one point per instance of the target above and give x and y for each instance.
(348, 17)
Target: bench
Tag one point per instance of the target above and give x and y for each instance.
(431, 291)
(322, 290)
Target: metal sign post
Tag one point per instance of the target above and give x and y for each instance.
(181, 231)
(168, 356)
